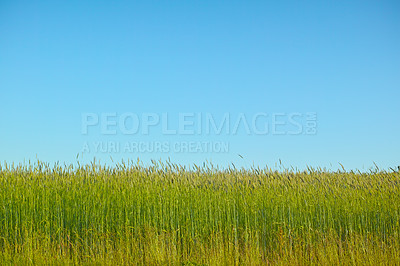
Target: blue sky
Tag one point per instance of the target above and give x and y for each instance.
(339, 59)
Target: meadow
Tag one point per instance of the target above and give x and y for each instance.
(200, 215)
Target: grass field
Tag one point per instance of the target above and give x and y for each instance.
(168, 214)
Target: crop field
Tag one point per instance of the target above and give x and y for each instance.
(168, 214)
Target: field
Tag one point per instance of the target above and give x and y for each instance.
(169, 214)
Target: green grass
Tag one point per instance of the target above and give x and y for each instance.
(168, 214)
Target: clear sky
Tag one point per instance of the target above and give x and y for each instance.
(60, 60)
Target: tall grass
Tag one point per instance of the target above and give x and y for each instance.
(166, 213)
